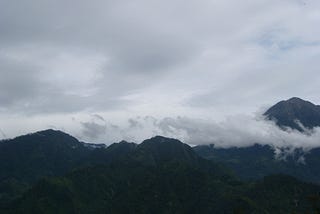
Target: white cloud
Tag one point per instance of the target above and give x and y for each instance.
(238, 131)
(204, 60)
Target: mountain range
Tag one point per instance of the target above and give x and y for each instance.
(52, 172)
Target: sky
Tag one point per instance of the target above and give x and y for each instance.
(107, 70)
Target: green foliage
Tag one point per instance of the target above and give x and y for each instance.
(160, 175)
(257, 161)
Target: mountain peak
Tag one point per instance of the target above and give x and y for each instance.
(161, 149)
(50, 132)
(296, 99)
(162, 139)
(162, 142)
(51, 136)
(295, 113)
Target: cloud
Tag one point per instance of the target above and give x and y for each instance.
(3, 134)
(17, 82)
(95, 128)
(98, 117)
(235, 131)
(239, 131)
(202, 60)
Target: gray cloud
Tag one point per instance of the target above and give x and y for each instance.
(203, 60)
(98, 117)
(18, 82)
(3, 134)
(94, 128)
(41, 32)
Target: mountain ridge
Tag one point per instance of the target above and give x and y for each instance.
(161, 174)
(50, 170)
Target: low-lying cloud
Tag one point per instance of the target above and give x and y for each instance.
(234, 131)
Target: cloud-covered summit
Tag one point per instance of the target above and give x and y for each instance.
(235, 131)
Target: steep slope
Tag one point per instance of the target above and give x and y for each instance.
(291, 112)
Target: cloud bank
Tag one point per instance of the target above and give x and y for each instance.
(235, 131)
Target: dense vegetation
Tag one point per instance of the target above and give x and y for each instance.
(255, 162)
(160, 175)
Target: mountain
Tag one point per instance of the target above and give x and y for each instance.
(175, 189)
(255, 162)
(44, 153)
(163, 175)
(112, 153)
(26, 159)
(284, 194)
(293, 113)
(169, 188)
(160, 175)
(160, 149)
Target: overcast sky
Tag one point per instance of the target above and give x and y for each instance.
(106, 70)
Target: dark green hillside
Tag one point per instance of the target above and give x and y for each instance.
(163, 176)
(114, 152)
(26, 159)
(44, 153)
(255, 162)
(160, 175)
(285, 194)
